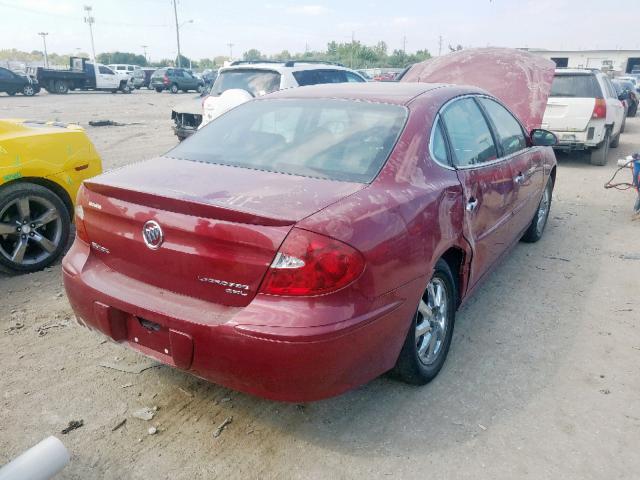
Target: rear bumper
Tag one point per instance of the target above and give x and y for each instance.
(226, 346)
(591, 137)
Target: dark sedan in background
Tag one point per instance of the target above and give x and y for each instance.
(12, 83)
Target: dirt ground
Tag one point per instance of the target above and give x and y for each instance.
(542, 380)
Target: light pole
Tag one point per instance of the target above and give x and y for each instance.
(44, 41)
(144, 48)
(230, 45)
(178, 26)
(90, 20)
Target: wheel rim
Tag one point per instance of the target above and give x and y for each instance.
(28, 90)
(543, 210)
(30, 230)
(432, 322)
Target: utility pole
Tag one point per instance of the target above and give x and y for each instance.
(230, 45)
(144, 49)
(90, 20)
(404, 45)
(175, 12)
(44, 40)
(440, 46)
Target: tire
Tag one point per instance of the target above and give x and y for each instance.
(174, 88)
(539, 221)
(11, 94)
(200, 88)
(159, 90)
(34, 247)
(417, 365)
(61, 87)
(616, 141)
(28, 90)
(599, 156)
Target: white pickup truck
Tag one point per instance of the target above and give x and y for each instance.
(585, 113)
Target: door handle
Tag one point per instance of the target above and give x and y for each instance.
(519, 179)
(472, 204)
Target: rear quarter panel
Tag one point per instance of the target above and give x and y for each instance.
(408, 217)
(63, 155)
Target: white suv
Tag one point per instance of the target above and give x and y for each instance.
(242, 80)
(584, 112)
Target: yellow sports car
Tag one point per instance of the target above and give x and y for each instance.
(42, 165)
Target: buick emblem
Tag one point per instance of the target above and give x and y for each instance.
(152, 235)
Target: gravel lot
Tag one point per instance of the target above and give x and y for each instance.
(542, 379)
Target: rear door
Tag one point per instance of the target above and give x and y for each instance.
(526, 162)
(571, 102)
(487, 182)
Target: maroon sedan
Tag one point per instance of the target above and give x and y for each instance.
(311, 240)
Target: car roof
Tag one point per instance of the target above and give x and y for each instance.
(383, 92)
(283, 67)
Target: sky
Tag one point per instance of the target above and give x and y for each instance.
(276, 25)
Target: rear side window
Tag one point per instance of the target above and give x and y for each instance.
(469, 134)
(256, 82)
(316, 77)
(575, 85)
(353, 78)
(322, 138)
(510, 134)
(438, 145)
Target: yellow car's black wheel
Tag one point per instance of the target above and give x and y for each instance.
(34, 227)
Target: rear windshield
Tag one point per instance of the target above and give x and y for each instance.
(159, 73)
(577, 85)
(256, 82)
(331, 139)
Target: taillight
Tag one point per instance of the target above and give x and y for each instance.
(600, 109)
(309, 264)
(81, 230)
(165, 79)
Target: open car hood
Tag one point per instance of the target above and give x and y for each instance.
(521, 80)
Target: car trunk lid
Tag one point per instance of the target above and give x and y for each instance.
(221, 226)
(565, 114)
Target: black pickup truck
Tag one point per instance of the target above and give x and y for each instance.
(82, 75)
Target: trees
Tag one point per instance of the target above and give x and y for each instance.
(121, 57)
(252, 55)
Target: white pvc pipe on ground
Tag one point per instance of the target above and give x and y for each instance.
(40, 462)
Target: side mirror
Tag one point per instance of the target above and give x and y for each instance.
(543, 138)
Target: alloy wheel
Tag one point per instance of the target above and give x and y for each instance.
(543, 210)
(432, 322)
(30, 230)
